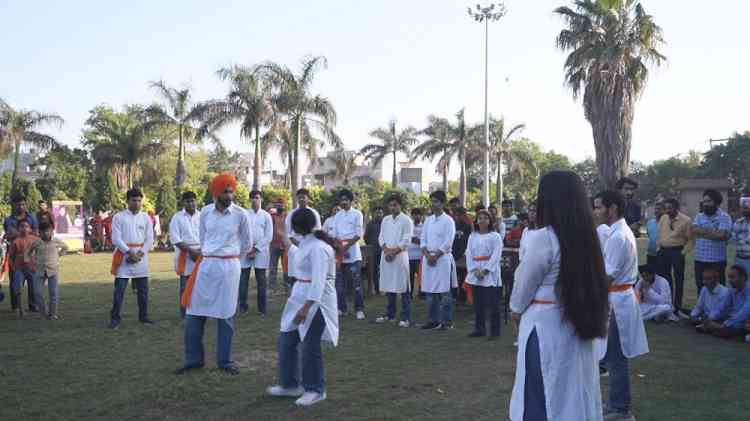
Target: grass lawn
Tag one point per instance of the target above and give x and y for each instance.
(76, 368)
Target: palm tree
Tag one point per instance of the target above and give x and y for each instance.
(18, 127)
(247, 103)
(462, 143)
(393, 142)
(500, 148)
(611, 44)
(281, 138)
(121, 138)
(345, 163)
(438, 143)
(179, 113)
(295, 108)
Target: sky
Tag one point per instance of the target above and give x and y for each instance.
(386, 59)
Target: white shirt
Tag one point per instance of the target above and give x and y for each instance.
(261, 224)
(415, 250)
(603, 232)
(348, 224)
(288, 224)
(395, 233)
(130, 228)
(658, 293)
(227, 234)
(184, 228)
(328, 226)
(481, 245)
(316, 263)
(438, 233)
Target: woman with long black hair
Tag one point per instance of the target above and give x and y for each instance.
(560, 299)
(310, 314)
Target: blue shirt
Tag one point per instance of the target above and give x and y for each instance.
(652, 230)
(738, 307)
(709, 251)
(12, 222)
(712, 305)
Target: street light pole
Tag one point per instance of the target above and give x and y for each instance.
(493, 12)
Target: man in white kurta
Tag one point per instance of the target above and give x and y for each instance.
(627, 335)
(348, 229)
(132, 237)
(212, 291)
(184, 236)
(395, 237)
(259, 256)
(438, 267)
(655, 295)
(303, 202)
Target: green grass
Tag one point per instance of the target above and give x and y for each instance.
(77, 369)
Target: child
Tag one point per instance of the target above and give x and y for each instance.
(46, 251)
(22, 261)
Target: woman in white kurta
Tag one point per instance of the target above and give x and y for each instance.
(395, 238)
(310, 316)
(560, 298)
(483, 255)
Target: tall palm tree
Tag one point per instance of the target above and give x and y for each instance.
(19, 127)
(295, 107)
(500, 149)
(121, 138)
(438, 144)
(281, 138)
(247, 103)
(392, 142)
(462, 142)
(610, 43)
(345, 163)
(180, 113)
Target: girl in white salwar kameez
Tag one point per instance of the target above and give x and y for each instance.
(310, 315)
(560, 298)
(483, 266)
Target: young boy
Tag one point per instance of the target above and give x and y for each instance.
(47, 250)
(22, 261)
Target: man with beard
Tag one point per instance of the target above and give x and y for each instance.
(633, 215)
(711, 230)
(741, 235)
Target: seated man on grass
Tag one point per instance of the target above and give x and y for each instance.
(738, 307)
(712, 301)
(656, 296)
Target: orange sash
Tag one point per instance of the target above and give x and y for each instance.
(304, 281)
(188, 293)
(339, 255)
(5, 267)
(542, 302)
(467, 287)
(181, 260)
(118, 256)
(620, 288)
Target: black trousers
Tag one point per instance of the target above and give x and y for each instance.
(486, 299)
(672, 268)
(141, 287)
(413, 268)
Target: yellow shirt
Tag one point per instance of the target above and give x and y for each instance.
(674, 233)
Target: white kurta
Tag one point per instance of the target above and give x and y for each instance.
(297, 237)
(621, 264)
(222, 234)
(185, 228)
(328, 226)
(603, 232)
(316, 262)
(569, 365)
(395, 233)
(262, 227)
(656, 301)
(437, 235)
(481, 245)
(348, 224)
(130, 228)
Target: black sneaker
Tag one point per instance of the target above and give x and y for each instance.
(445, 326)
(188, 368)
(430, 325)
(114, 325)
(230, 369)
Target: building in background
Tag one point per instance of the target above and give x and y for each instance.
(26, 169)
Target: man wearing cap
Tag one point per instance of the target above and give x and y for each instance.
(213, 288)
(741, 235)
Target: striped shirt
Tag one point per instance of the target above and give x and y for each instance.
(709, 251)
(741, 237)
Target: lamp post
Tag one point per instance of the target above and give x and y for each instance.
(493, 13)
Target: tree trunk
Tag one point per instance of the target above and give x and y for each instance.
(446, 170)
(296, 180)
(258, 160)
(611, 119)
(181, 174)
(499, 183)
(130, 175)
(394, 178)
(16, 163)
(462, 180)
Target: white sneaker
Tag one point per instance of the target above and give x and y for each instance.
(360, 315)
(381, 319)
(404, 323)
(280, 391)
(310, 398)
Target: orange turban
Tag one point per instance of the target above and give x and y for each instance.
(221, 182)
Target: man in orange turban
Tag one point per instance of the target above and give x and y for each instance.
(220, 183)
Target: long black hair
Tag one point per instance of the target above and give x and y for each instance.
(303, 222)
(562, 205)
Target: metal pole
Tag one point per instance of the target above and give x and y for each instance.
(486, 167)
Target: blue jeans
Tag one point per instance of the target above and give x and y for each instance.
(183, 284)
(348, 278)
(619, 370)
(311, 366)
(16, 286)
(390, 310)
(194, 327)
(534, 401)
(440, 307)
(260, 278)
(39, 293)
(121, 284)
